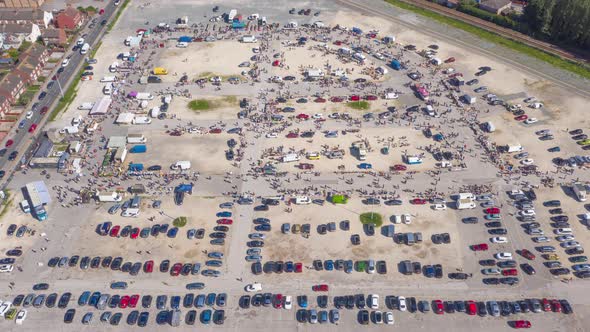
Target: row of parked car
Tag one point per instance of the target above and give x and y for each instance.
(129, 231)
(172, 317)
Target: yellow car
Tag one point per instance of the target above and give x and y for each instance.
(10, 314)
(552, 257)
(296, 229)
(313, 156)
(584, 142)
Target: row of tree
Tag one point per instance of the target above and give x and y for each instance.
(564, 21)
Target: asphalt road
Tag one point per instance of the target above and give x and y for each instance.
(24, 142)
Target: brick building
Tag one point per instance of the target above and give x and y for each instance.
(69, 19)
(21, 3)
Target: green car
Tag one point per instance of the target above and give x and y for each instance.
(10, 314)
(360, 266)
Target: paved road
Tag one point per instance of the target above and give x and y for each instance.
(23, 140)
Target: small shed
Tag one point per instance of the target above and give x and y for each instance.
(74, 147)
(125, 118)
(116, 142)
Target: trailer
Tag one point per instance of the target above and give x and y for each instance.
(290, 157)
(141, 120)
(466, 203)
(108, 196)
(141, 148)
(181, 165)
(136, 139)
(86, 106)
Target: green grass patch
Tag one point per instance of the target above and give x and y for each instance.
(180, 222)
(94, 50)
(577, 68)
(28, 95)
(230, 99)
(41, 79)
(117, 15)
(200, 105)
(6, 203)
(371, 218)
(360, 105)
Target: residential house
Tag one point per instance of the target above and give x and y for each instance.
(31, 64)
(21, 3)
(11, 41)
(69, 19)
(23, 16)
(4, 106)
(451, 3)
(29, 31)
(54, 37)
(495, 6)
(11, 87)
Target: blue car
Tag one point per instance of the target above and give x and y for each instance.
(21, 124)
(175, 302)
(94, 299)
(162, 317)
(224, 214)
(302, 300)
(262, 228)
(554, 149)
(211, 299)
(329, 265)
(206, 316)
(365, 166)
(289, 266)
(172, 232)
(83, 300)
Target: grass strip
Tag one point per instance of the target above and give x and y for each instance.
(119, 12)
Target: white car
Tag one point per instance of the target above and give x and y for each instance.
(438, 207)
(503, 255)
(531, 120)
(6, 268)
(288, 302)
(570, 244)
(402, 303)
(499, 239)
(536, 105)
(528, 161)
(65, 63)
(491, 271)
(4, 308)
(29, 114)
(318, 116)
(527, 213)
(388, 318)
(216, 79)
(563, 238)
(334, 116)
(515, 107)
(21, 316)
(254, 287)
(272, 135)
(563, 231)
(255, 50)
(539, 239)
(530, 100)
(379, 56)
(374, 301)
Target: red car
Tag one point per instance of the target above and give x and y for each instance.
(336, 99)
(9, 143)
(479, 247)
(510, 272)
(372, 35)
(455, 75)
(32, 127)
(371, 97)
(471, 308)
(527, 254)
(355, 98)
(320, 288)
(115, 231)
(302, 116)
(305, 166)
(124, 302)
(400, 167)
(292, 135)
(418, 201)
(133, 301)
(44, 109)
(337, 43)
(276, 63)
(546, 305)
(175, 270)
(521, 118)
(134, 233)
(215, 131)
(521, 324)
(556, 305)
(278, 301)
(298, 267)
(320, 100)
(438, 307)
(225, 221)
(101, 11)
(148, 267)
(449, 60)
(492, 210)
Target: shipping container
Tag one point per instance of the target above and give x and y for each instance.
(141, 148)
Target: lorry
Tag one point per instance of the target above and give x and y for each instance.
(141, 148)
(140, 120)
(181, 165)
(513, 148)
(86, 106)
(109, 196)
(465, 203)
(85, 48)
(360, 150)
(160, 71)
(144, 96)
(136, 139)
(290, 157)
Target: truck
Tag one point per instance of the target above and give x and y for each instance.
(140, 120)
(108, 196)
(290, 157)
(465, 203)
(108, 79)
(181, 165)
(489, 127)
(141, 148)
(302, 200)
(85, 48)
(24, 205)
(413, 160)
(86, 106)
(579, 191)
(144, 96)
(136, 139)
(510, 148)
(360, 150)
(160, 71)
(232, 14)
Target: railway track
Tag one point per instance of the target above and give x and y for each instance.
(581, 90)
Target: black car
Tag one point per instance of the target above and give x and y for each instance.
(566, 307)
(507, 264)
(438, 271)
(322, 301)
(498, 231)
(575, 251)
(261, 208)
(162, 317)
(527, 268)
(393, 202)
(302, 316)
(556, 211)
(12, 155)
(458, 276)
(491, 281)
(470, 220)
(41, 286)
(363, 317)
(219, 317)
(114, 301)
(481, 309)
(560, 218)
(381, 267)
(146, 301)
(553, 203)
(369, 229)
(69, 316)
(429, 271)
(493, 224)
(257, 268)
(154, 168)
(42, 95)
(245, 302)
(355, 239)
(191, 317)
(132, 317)
(143, 319)
(509, 281)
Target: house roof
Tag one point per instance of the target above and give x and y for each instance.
(21, 14)
(16, 28)
(70, 12)
(495, 4)
(51, 33)
(10, 82)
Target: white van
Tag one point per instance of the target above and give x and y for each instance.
(108, 89)
(25, 206)
(182, 45)
(563, 231)
(465, 196)
(302, 200)
(181, 165)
